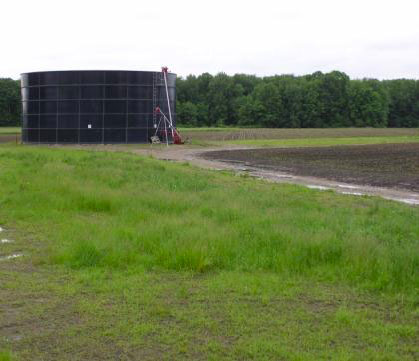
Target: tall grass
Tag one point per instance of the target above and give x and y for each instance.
(117, 210)
(5, 356)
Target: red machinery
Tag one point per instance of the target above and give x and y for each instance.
(162, 130)
(166, 128)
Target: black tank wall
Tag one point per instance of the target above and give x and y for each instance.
(93, 106)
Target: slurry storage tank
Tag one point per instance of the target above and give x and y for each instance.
(101, 106)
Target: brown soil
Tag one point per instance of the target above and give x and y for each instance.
(9, 138)
(385, 165)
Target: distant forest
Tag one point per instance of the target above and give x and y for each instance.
(10, 104)
(285, 101)
(319, 100)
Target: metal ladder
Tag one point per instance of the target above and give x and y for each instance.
(157, 82)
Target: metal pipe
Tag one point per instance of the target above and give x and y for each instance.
(168, 101)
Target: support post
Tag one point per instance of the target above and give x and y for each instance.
(165, 71)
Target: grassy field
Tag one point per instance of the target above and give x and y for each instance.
(240, 134)
(126, 257)
(10, 130)
(263, 137)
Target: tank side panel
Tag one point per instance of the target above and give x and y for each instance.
(91, 106)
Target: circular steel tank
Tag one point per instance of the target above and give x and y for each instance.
(99, 106)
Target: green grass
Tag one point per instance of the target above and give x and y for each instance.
(265, 137)
(205, 129)
(10, 130)
(126, 256)
(131, 211)
(324, 141)
(5, 356)
(92, 314)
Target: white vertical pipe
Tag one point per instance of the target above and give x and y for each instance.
(168, 104)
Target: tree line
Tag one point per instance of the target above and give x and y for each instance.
(10, 102)
(318, 100)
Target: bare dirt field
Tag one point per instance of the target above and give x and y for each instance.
(9, 138)
(385, 165)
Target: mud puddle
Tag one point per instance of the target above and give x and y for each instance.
(322, 184)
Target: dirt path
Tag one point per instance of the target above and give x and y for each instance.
(198, 157)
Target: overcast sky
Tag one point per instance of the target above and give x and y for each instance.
(365, 38)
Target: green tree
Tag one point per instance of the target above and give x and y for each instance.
(314, 100)
(368, 104)
(187, 114)
(268, 104)
(333, 98)
(403, 102)
(10, 102)
(222, 105)
(250, 111)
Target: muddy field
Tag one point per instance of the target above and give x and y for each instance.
(386, 165)
(220, 134)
